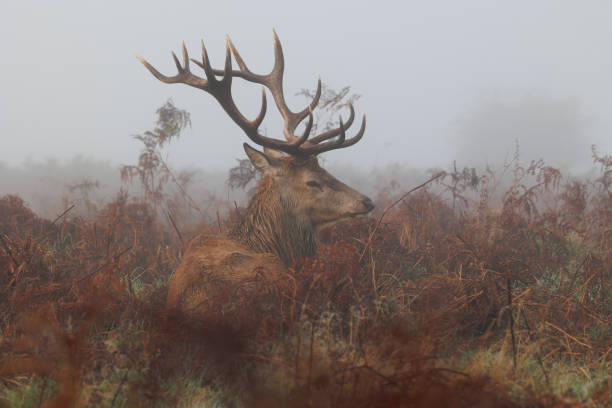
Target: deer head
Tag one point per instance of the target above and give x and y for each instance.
(297, 197)
(310, 189)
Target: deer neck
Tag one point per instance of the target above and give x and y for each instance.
(271, 224)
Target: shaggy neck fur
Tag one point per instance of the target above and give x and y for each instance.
(271, 225)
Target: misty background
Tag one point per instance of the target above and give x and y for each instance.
(440, 81)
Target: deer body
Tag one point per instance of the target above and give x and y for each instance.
(213, 266)
(294, 201)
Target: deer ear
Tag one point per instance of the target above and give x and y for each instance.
(264, 163)
(277, 154)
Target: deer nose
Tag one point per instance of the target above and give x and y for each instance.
(368, 204)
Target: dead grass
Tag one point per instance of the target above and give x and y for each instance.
(487, 304)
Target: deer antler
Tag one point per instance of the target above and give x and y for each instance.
(221, 90)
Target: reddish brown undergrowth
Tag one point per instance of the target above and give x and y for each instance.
(377, 319)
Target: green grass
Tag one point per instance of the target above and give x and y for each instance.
(25, 395)
(576, 380)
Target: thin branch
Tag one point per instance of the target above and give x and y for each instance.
(386, 210)
(66, 211)
(511, 323)
(178, 232)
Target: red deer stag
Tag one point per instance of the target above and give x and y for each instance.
(296, 198)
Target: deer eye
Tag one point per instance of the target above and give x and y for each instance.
(314, 184)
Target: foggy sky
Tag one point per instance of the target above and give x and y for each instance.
(440, 80)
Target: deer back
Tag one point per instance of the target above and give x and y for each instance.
(214, 269)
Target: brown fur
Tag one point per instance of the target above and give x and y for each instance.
(272, 225)
(281, 225)
(211, 266)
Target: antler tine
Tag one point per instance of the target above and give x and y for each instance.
(206, 64)
(342, 136)
(183, 76)
(227, 72)
(315, 101)
(275, 79)
(185, 58)
(339, 143)
(239, 59)
(308, 126)
(355, 138)
(334, 132)
(207, 68)
(262, 110)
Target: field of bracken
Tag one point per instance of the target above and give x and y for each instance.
(466, 292)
